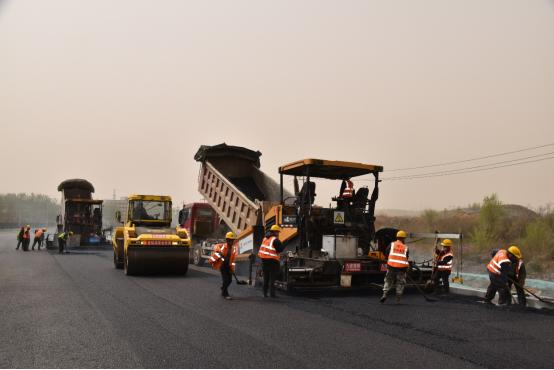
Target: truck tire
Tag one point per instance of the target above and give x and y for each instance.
(197, 256)
(118, 265)
(129, 267)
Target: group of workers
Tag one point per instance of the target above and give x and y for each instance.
(24, 238)
(223, 259)
(505, 268)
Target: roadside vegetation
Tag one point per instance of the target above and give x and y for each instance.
(20, 209)
(491, 225)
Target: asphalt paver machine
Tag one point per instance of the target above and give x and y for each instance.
(332, 246)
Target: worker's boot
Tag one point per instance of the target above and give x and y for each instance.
(383, 298)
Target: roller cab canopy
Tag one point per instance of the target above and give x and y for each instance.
(332, 170)
(154, 198)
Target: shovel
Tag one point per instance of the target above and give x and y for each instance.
(239, 282)
(530, 292)
(427, 298)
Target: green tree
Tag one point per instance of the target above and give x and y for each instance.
(538, 242)
(488, 231)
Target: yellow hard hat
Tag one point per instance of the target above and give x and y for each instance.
(401, 234)
(515, 251)
(446, 243)
(275, 228)
(28, 226)
(230, 235)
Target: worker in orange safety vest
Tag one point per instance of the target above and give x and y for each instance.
(397, 266)
(223, 259)
(39, 236)
(270, 255)
(443, 266)
(499, 268)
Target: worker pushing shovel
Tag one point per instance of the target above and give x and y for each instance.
(397, 266)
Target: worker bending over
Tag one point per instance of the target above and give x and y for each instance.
(397, 266)
(62, 241)
(39, 236)
(270, 255)
(500, 267)
(223, 259)
(443, 266)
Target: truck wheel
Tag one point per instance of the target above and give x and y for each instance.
(197, 257)
(117, 264)
(129, 267)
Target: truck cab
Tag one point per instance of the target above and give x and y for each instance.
(204, 227)
(146, 241)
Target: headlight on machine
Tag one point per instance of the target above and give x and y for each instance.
(174, 243)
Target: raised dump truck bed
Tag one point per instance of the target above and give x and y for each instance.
(231, 181)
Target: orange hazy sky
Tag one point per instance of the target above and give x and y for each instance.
(123, 93)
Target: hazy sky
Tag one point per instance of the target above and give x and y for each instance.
(123, 93)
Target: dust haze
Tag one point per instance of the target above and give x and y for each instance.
(123, 93)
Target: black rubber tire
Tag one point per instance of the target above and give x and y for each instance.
(183, 268)
(129, 268)
(118, 265)
(197, 257)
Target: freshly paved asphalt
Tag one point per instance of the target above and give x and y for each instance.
(77, 311)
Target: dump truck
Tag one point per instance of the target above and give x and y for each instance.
(146, 242)
(81, 214)
(204, 228)
(231, 182)
(335, 246)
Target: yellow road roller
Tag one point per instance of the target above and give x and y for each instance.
(146, 242)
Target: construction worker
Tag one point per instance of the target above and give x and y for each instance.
(223, 259)
(42, 237)
(39, 234)
(517, 278)
(397, 266)
(499, 268)
(443, 266)
(26, 238)
(347, 189)
(346, 194)
(62, 240)
(270, 254)
(20, 237)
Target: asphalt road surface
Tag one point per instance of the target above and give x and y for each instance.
(75, 310)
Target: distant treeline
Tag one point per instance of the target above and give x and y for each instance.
(27, 209)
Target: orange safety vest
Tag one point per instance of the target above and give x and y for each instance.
(448, 265)
(39, 233)
(267, 251)
(348, 191)
(398, 256)
(499, 258)
(218, 256)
